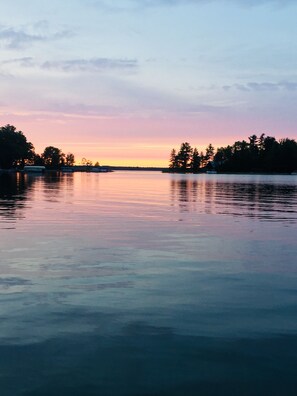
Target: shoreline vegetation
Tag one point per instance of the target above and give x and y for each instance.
(258, 155)
(16, 153)
(263, 154)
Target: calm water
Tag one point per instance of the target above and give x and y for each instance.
(148, 284)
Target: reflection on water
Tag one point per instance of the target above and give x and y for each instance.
(266, 201)
(17, 192)
(13, 194)
(216, 194)
(148, 284)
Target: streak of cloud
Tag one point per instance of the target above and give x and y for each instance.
(91, 65)
(120, 5)
(263, 86)
(26, 61)
(75, 65)
(22, 37)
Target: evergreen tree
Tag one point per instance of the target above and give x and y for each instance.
(287, 155)
(185, 156)
(209, 153)
(256, 155)
(173, 162)
(196, 160)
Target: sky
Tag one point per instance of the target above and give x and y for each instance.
(123, 82)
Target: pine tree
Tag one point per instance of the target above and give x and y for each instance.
(196, 160)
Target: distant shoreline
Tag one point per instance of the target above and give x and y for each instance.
(82, 168)
(156, 169)
(234, 173)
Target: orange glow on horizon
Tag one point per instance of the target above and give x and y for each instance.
(134, 163)
(133, 141)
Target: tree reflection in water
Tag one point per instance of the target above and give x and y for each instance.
(265, 201)
(13, 195)
(17, 189)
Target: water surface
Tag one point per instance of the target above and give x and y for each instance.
(139, 283)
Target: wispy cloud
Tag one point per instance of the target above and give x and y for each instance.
(139, 4)
(21, 37)
(259, 2)
(263, 86)
(80, 109)
(26, 61)
(94, 65)
(122, 5)
(91, 65)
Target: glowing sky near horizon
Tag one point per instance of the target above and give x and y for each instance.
(125, 81)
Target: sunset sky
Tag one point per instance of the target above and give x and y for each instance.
(125, 81)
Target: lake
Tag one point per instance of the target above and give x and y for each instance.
(143, 283)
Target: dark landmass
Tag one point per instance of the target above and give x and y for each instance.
(262, 154)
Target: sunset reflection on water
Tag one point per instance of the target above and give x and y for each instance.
(142, 283)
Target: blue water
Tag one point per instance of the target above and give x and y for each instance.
(142, 283)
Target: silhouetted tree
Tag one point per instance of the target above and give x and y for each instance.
(208, 157)
(53, 157)
(86, 162)
(259, 154)
(222, 156)
(196, 160)
(15, 150)
(254, 152)
(261, 141)
(203, 159)
(185, 156)
(69, 159)
(38, 160)
(209, 153)
(240, 160)
(269, 154)
(188, 159)
(173, 161)
(287, 155)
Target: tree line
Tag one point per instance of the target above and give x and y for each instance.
(188, 159)
(16, 152)
(257, 154)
